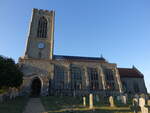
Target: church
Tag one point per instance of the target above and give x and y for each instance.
(48, 74)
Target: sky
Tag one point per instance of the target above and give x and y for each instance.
(117, 29)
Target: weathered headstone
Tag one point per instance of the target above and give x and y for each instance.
(135, 101)
(91, 101)
(111, 101)
(84, 101)
(135, 105)
(141, 102)
(124, 99)
(142, 105)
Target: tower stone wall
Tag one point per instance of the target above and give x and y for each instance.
(33, 49)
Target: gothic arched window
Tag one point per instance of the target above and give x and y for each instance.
(59, 74)
(93, 77)
(76, 78)
(109, 77)
(42, 28)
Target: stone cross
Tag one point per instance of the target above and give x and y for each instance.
(111, 101)
(84, 101)
(91, 101)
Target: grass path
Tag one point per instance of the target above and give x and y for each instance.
(34, 106)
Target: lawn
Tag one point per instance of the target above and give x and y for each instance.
(60, 104)
(14, 106)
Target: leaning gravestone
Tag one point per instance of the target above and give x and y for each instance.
(91, 101)
(111, 101)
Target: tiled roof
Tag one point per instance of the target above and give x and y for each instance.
(62, 57)
(129, 72)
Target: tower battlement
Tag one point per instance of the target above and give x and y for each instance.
(41, 11)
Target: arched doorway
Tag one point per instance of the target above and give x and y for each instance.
(36, 87)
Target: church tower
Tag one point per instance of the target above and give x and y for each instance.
(41, 35)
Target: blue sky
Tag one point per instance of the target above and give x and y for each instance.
(118, 29)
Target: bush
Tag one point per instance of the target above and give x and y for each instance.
(10, 75)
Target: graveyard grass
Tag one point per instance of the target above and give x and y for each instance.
(14, 106)
(66, 104)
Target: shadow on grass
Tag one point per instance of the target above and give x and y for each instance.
(14, 106)
(86, 110)
(67, 104)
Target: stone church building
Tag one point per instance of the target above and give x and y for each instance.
(49, 74)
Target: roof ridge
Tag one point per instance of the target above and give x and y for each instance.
(77, 56)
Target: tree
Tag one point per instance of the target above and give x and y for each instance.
(10, 75)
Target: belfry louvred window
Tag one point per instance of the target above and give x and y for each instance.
(42, 28)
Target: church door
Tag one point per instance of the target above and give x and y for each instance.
(36, 87)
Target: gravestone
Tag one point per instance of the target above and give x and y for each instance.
(142, 105)
(136, 96)
(10, 94)
(97, 98)
(111, 101)
(5, 96)
(84, 101)
(124, 99)
(91, 101)
(135, 101)
(1, 98)
(17, 92)
(74, 93)
(148, 102)
(13, 93)
(135, 105)
(141, 102)
(119, 98)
